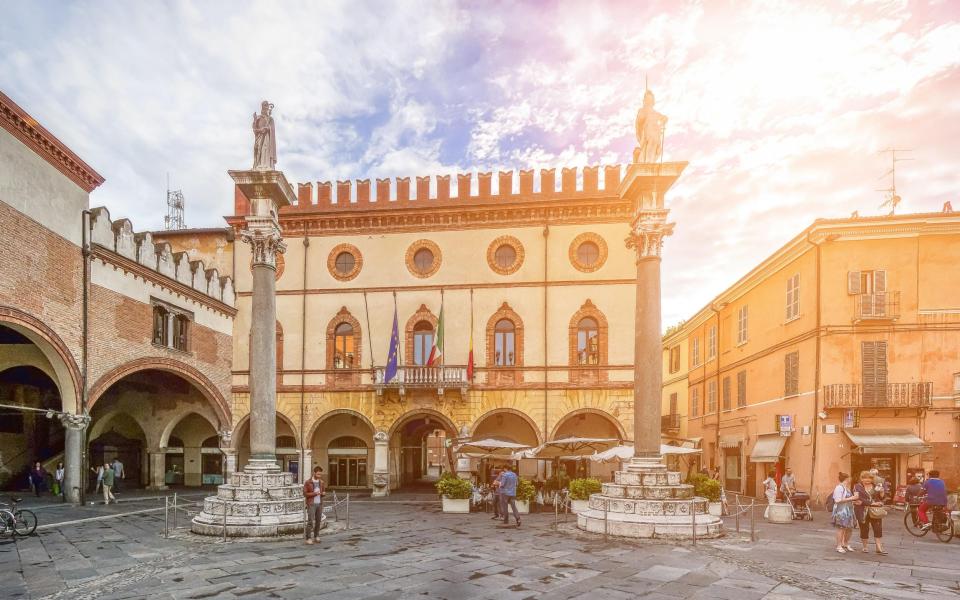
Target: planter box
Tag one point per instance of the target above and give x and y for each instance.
(779, 512)
(523, 507)
(579, 506)
(715, 509)
(456, 506)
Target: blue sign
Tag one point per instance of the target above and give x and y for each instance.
(786, 423)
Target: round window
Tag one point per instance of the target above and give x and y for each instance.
(505, 256)
(423, 259)
(588, 253)
(345, 263)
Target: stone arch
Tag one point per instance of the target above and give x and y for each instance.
(513, 412)
(423, 314)
(200, 381)
(244, 423)
(580, 373)
(168, 429)
(422, 412)
(344, 316)
(335, 412)
(621, 432)
(68, 377)
(341, 470)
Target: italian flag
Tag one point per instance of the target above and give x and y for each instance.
(436, 353)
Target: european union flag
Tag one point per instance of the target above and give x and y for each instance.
(391, 371)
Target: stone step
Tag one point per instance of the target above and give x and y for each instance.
(636, 526)
(215, 505)
(671, 508)
(261, 480)
(205, 524)
(647, 478)
(246, 493)
(615, 490)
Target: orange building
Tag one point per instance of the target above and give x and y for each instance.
(839, 352)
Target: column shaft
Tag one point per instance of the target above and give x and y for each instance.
(647, 375)
(263, 366)
(73, 478)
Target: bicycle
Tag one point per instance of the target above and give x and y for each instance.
(941, 523)
(20, 521)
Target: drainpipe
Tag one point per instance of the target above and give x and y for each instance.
(816, 378)
(85, 349)
(716, 377)
(546, 360)
(303, 353)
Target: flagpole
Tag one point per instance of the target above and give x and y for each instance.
(399, 345)
(443, 359)
(470, 356)
(366, 309)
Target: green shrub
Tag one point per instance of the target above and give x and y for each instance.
(526, 490)
(580, 489)
(556, 482)
(454, 488)
(705, 487)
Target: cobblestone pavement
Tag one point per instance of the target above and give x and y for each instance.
(398, 549)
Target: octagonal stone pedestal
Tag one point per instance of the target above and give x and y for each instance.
(256, 504)
(649, 503)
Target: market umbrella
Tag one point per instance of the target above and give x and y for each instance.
(491, 446)
(573, 447)
(626, 452)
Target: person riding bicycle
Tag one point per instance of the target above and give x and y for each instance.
(936, 491)
(914, 493)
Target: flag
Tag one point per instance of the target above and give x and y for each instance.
(436, 353)
(392, 354)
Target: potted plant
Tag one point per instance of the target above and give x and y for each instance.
(525, 494)
(454, 493)
(580, 491)
(708, 488)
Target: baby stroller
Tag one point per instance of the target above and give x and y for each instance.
(798, 501)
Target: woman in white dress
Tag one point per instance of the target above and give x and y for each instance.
(844, 518)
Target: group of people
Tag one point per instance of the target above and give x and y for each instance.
(108, 475)
(504, 486)
(38, 476)
(928, 494)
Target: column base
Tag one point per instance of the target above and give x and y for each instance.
(260, 501)
(262, 465)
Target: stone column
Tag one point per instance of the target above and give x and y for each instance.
(306, 469)
(646, 238)
(230, 458)
(73, 476)
(157, 459)
(381, 465)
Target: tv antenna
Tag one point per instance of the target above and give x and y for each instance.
(175, 202)
(892, 198)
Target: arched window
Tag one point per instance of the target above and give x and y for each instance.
(422, 342)
(348, 441)
(504, 344)
(343, 349)
(588, 342)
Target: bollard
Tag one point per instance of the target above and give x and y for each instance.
(693, 513)
(166, 516)
(348, 511)
(605, 521)
(224, 521)
(753, 521)
(174, 510)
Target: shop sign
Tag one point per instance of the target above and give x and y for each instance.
(786, 425)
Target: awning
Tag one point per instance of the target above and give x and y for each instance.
(768, 448)
(886, 441)
(691, 442)
(730, 441)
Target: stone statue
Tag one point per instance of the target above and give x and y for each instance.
(650, 128)
(264, 139)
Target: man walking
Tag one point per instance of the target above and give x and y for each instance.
(118, 473)
(508, 495)
(495, 487)
(313, 492)
(108, 481)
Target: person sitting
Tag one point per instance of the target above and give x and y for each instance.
(936, 491)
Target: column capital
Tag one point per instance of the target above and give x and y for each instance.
(647, 233)
(74, 421)
(266, 244)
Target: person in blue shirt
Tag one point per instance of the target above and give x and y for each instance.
(508, 495)
(936, 491)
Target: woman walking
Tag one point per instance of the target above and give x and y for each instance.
(870, 511)
(58, 480)
(844, 518)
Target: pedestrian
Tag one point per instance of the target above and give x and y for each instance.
(508, 495)
(936, 491)
(38, 478)
(770, 491)
(495, 487)
(118, 473)
(870, 511)
(788, 484)
(843, 516)
(715, 474)
(109, 478)
(313, 492)
(99, 472)
(58, 480)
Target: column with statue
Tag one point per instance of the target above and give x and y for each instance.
(645, 500)
(261, 500)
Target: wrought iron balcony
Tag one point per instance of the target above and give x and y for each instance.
(670, 422)
(440, 378)
(880, 306)
(889, 395)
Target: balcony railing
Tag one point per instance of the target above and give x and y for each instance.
(440, 378)
(889, 395)
(880, 306)
(669, 422)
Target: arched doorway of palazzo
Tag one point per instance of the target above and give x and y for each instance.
(420, 449)
(157, 422)
(588, 423)
(512, 426)
(192, 455)
(342, 443)
(26, 435)
(288, 448)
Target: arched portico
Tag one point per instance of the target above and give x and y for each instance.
(589, 423)
(342, 442)
(287, 443)
(418, 447)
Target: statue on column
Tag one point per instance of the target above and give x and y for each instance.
(264, 139)
(650, 128)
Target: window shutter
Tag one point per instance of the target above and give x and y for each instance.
(726, 393)
(673, 403)
(879, 282)
(853, 282)
(741, 388)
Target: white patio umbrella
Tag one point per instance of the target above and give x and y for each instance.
(491, 446)
(573, 447)
(626, 453)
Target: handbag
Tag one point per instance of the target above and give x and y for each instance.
(877, 512)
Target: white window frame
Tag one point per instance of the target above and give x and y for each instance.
(742, 316)
(711, 397)
(712, 343)
(695, 402)
(793, 298)
(695, 350)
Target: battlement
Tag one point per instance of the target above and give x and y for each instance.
(462, 190)
(120, 238)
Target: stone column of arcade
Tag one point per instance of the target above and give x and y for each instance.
(73, 478)
(260, 501)
(645, 500)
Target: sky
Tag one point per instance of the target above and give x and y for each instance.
(782, 109)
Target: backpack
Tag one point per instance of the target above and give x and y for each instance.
(830, 503)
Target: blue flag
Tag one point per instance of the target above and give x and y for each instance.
(391, 371)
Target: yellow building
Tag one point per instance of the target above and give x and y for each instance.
(839, 352)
